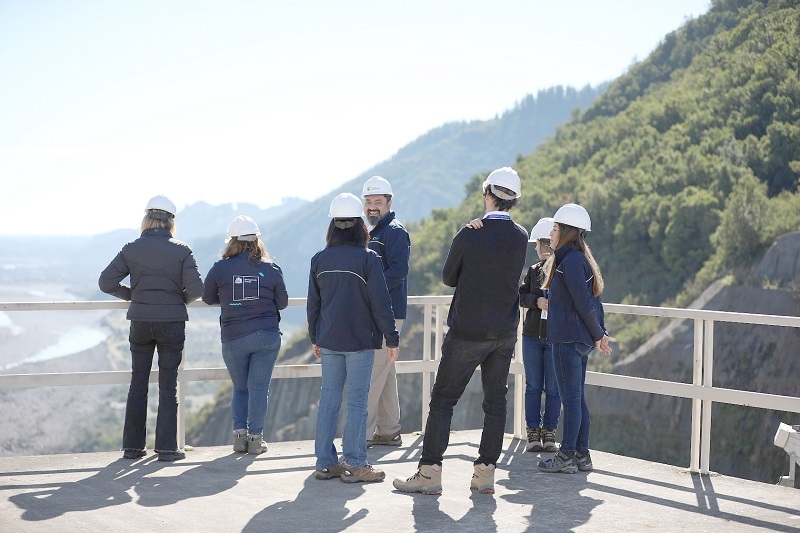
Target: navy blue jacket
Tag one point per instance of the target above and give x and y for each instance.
(484, 266)
(390, 240)
(164, 277)
(348, 305)
(250, 296)
(573, 314)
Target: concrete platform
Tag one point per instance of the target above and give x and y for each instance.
(215, 489)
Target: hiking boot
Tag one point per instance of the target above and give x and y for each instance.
(483, 479)
(329, 473)
(240, 440)
(549, 440)
(256, 444)
(427, 480)
(560, 462)
(169, 457)
(133, 454)
(584, 461)
(386, 440)
(361, 474)
(534, 440)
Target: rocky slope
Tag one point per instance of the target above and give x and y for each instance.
(746, 357)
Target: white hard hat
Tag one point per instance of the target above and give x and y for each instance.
(542, 229)
(504, 177)
(242, 226)
(346, 205)
(573, 215)
(160, 202)
(376, 185)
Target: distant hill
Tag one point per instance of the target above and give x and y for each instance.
(76, 262)
(428, 173)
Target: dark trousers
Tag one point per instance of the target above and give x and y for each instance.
(460, 357)
(144, 338)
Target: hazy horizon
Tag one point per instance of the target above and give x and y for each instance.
(113, 103)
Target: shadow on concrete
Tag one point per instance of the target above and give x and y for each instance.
(707, 500)
(319, 506)
(554, 499)
(206, 479)
(106, 488)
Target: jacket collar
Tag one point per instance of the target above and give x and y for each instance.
(563, 251)
(383, 222)
(157, 232)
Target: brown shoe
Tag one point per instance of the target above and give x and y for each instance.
(361, 474)
(534, 440)
(549, 440)
(256, 444)
(330, 473)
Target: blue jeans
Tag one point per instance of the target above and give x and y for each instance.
(460, 357)
(540, 375)
(144, 338)
(250, 360)
(570, 362)
(356, 369)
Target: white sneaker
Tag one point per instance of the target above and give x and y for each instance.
(483, 479)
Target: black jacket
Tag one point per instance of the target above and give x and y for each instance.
(484, 266)
(164, 277)
(529, 292)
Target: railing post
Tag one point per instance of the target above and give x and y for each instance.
(426, 356)
(437, 355)
(181, 391)
(708, 372)
(519, 387)
(697, 379)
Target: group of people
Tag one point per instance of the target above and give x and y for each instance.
(250, 290)
(356, 306)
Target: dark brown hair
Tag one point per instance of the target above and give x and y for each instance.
(502, 205)
(356, 234)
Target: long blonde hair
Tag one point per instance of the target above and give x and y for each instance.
(257, 252)
(574, 237)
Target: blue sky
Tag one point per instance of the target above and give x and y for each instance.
(104, 104)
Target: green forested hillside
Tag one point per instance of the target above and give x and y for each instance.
(688, 164)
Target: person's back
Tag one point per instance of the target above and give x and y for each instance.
(163, 278)
(250, 295)
(345, 276)
(484, 268)
(156, 263)
(250, 291)
(484, 265)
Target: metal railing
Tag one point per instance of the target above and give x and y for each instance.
(701, 391)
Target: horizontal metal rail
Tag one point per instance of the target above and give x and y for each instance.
(700, 391)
